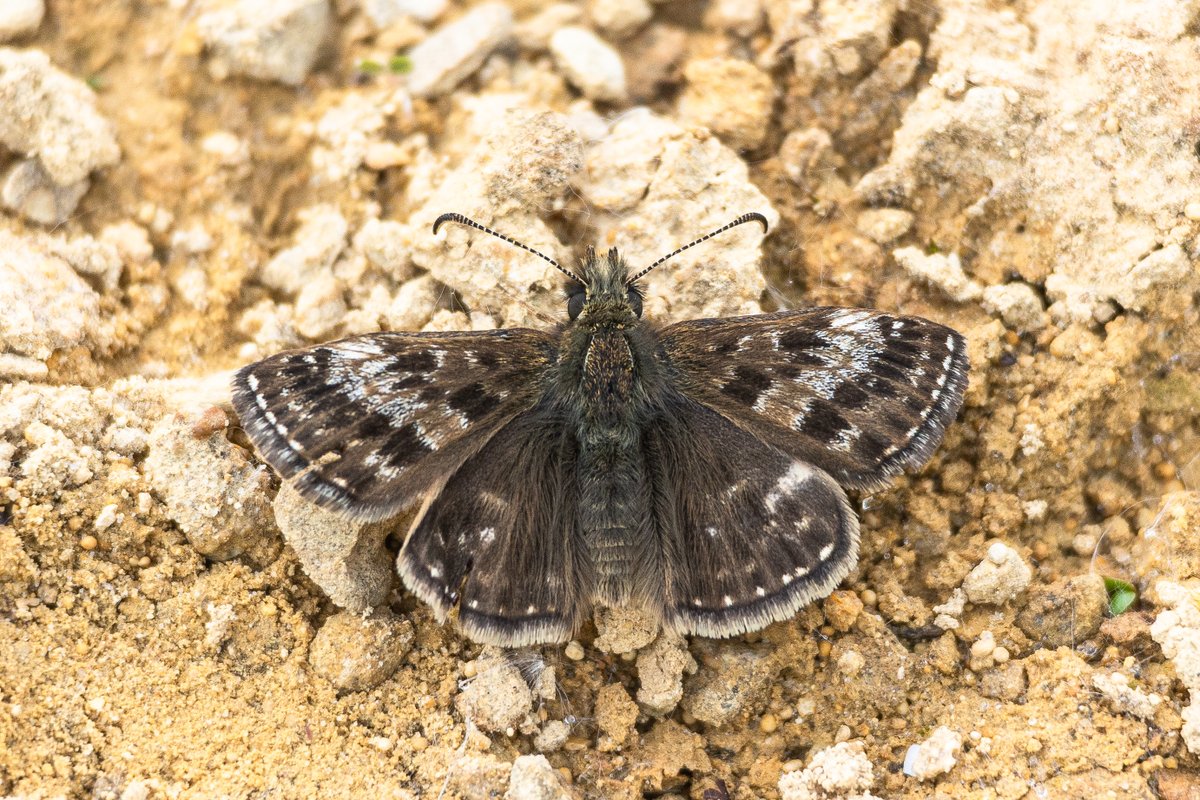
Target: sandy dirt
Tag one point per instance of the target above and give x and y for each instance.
(189, 186)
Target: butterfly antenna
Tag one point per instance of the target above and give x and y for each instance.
(461, 220)
(753, 216)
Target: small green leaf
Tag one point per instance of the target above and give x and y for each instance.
(400, 64)
(1121, 595)
(931, 248)
(95, 81)
(369, 67)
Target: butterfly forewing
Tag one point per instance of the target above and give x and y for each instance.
(859, 394)
(367, 425)
(501, 539)
(748, 533)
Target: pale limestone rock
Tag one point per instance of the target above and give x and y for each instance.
(457, 49)
(1001, 576)
(51, 116)
(592, 65)
(274, 40)
(936, 756)
(20, 17)
(360, 651)
(940, 270)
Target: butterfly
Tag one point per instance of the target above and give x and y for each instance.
(696, 470)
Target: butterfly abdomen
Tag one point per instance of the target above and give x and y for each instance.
(611, 475)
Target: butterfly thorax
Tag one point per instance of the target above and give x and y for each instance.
(607, 364)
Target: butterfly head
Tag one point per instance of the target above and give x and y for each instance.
(605, 294)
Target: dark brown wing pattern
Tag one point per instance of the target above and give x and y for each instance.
(859, 394)
(748, 534)
(502, 539)
(367, 425)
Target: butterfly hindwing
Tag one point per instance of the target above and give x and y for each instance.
(749, 534)
(860, 394)
(501, 539)
(367, 425)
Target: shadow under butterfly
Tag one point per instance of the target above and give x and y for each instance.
(695, 470)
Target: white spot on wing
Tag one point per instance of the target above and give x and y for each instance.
(791, 480)
(846, 438)
(487, 535)
(826, 551)
(252, 382)
(846, 319)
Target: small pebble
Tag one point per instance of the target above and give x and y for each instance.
(456, 50)
(983, 646)
(573, 650)
(620, 17)
(212, 420)
(843, 734)
(851, 662)
(19, 17)
(89, 542)
(276, 40)
(769, 723)
(1083, 544)
(106, 517)
(589, 63)
(381, 155)
(383, 13)
(1000, 655)
(357, 652)
(842, 609)
(28, 190)
(1192, 210)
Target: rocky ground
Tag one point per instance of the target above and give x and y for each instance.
(189, 186)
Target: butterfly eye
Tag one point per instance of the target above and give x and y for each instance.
(575, 303)
(635, 301)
